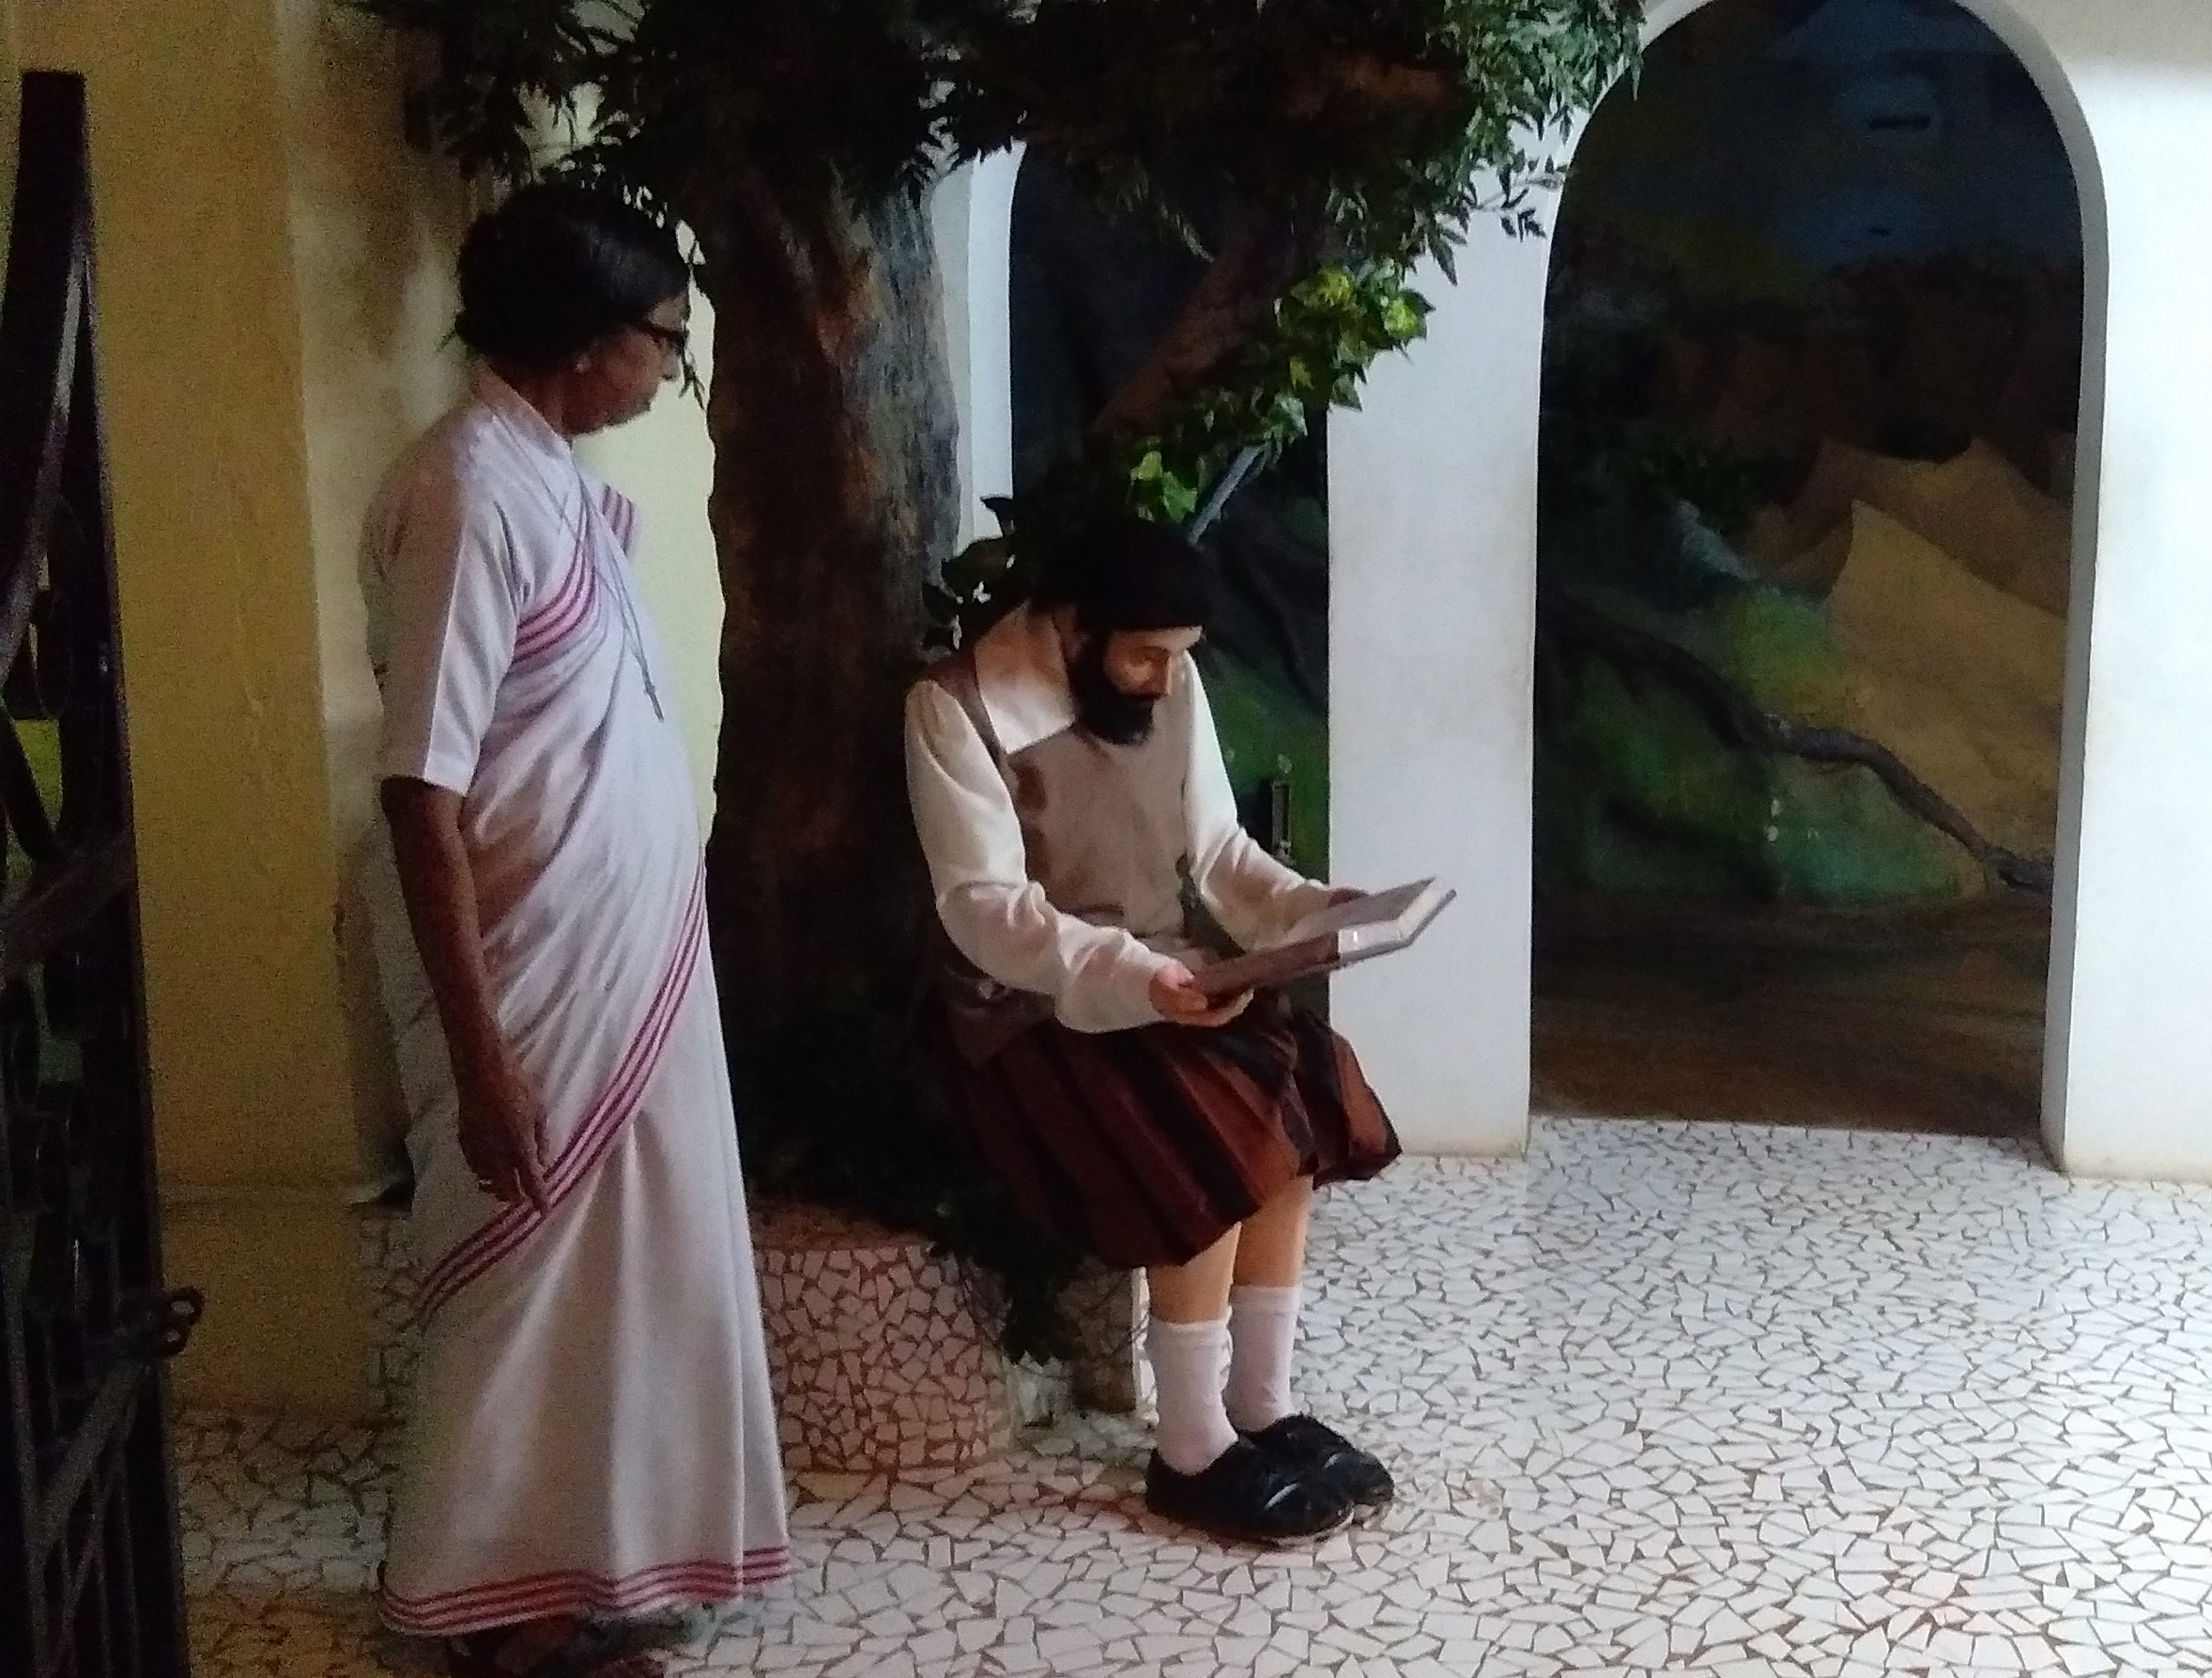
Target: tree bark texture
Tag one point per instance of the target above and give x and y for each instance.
(836, 490)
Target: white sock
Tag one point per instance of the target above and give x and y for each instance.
(1187, 1360)
(1263, 1329)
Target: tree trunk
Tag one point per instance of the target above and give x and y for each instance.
(836, 488)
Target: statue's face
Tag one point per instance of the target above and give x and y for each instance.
(1142, 662)
(1119, 679)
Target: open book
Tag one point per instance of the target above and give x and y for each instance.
(1374, 925)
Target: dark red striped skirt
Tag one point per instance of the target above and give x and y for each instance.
(1144, 1148)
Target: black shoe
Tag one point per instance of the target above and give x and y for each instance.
(1248, 1495)
(1304, 1444)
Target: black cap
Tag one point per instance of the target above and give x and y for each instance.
(1123, 571)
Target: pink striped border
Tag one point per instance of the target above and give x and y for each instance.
(621, 513)
(546, 626)
(545, 1595)
(512, 1225)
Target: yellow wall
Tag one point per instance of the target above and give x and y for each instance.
(374, 229)
(203, 370)
(275, 298)
(9, 69)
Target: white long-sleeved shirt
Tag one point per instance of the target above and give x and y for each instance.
(1098, 976)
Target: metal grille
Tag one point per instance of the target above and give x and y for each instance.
(89, 1583)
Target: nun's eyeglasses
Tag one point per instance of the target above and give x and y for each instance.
(674, 339)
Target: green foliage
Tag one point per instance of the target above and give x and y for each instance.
(1779, 651)
(42, 744)
(1385, 119)
(1392, 122)
(1375, 130)
(1315, 346)
(1382, 130)
(682, 95)
(1310, 355)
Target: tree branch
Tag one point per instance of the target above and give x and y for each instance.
(1371, 80)
(1736, 718)
(1266, 251)
(1260, 257)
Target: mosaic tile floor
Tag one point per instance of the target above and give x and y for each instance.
(1685, 1399)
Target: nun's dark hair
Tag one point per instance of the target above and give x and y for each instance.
(556, 267)
(1123, 572)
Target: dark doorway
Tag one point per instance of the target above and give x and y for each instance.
(1812, 375)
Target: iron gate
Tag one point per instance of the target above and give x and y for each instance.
(89, 1584)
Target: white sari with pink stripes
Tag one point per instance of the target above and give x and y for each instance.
(594, 1428)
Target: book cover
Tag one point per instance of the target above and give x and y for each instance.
(1378, 924)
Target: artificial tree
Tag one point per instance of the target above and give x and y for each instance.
(795, 141)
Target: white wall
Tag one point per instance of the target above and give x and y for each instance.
(2129, 1083)
(1432, 519)
(1435, 539)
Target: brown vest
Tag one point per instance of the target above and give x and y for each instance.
(1106, 835)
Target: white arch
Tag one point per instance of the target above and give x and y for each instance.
(1432, 533)
(2028, 44)
(972, 213)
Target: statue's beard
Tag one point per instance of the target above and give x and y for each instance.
(1102, 710)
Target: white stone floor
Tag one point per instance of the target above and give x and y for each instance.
(1662, 1398)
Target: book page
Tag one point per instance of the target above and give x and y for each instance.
(1362, 911)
